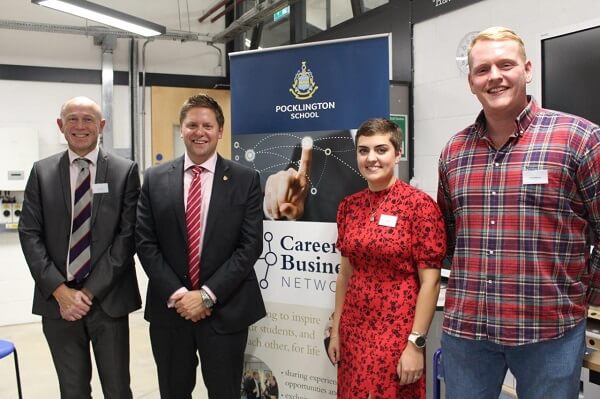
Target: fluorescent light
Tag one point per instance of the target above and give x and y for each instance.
(104, 15)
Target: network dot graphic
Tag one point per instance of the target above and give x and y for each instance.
(307, 142)
(250, 155)
(270, 259)
(272, 153)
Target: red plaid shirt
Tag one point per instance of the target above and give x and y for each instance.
(522, 271)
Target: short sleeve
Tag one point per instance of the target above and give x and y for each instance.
(341, 226)
(428, 234)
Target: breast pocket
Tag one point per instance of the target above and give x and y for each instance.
(545, 194)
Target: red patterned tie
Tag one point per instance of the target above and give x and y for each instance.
(193, 224)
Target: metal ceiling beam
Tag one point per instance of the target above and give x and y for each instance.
(250, 19)
(226, 10)
(99, 30)
(214, 8)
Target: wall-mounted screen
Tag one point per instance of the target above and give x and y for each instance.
(571, 73)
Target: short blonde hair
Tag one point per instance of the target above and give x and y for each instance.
(497, 33)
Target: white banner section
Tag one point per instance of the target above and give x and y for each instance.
(297, 273)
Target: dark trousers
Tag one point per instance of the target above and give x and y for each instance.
(69, 343)
(176, 351)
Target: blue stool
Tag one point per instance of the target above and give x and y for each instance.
(438, 373)
(6, 348)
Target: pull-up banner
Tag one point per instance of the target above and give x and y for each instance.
(294, 114)
(319, 86)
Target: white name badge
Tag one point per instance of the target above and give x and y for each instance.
(388, 220)
(100, 188)
(535, 176)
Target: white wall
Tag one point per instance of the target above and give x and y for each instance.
(443, 103)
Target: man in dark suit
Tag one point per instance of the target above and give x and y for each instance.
(78, 241)
(199, 233)
(255, 386)
(250, 387)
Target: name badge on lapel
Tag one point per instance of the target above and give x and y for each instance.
(100, 188)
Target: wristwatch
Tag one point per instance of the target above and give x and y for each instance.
(417, 339)
(206, 299)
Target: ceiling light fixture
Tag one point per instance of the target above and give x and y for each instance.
(105, 15)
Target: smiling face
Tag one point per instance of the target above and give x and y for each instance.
(498, 76)
(376, 158)
(81, 123)
(201, 133)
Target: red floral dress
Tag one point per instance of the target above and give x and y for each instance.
(379, 306)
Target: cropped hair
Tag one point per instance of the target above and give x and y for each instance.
(374, 126)
(202, 101)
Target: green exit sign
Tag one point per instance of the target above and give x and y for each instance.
(281, 13)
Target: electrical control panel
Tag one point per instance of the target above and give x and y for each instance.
(18, 152)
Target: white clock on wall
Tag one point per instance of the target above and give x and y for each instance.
(461, 52)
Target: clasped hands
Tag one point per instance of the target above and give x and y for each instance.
(74, 304)
(189, 305)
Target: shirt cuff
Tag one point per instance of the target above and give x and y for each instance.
(171, 301)
(210, 293)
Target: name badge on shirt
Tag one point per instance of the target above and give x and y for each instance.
(535, 176)
(100, 188)
(388, 220)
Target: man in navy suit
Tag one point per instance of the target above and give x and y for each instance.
(199, 233)
(91, 303)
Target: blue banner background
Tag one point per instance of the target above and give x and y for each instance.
(354, 74)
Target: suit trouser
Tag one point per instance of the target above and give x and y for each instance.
(176, 350)
(69, 343)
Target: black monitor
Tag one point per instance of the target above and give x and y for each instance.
(571, 73)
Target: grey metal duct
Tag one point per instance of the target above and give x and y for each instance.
(99, 30)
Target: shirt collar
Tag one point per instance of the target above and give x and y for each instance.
(522, 121)
(209, 165)
(91, 156)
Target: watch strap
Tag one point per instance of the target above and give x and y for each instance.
(206, 299)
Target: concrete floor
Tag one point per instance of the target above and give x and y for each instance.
(38, 377)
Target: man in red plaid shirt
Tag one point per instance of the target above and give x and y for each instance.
(520, 192)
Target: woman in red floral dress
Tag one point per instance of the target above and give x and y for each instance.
(392, 240)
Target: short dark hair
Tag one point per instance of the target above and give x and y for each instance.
(374, 126)
(202, 100)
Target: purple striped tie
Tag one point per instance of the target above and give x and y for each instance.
(193, 224)
(81, 235)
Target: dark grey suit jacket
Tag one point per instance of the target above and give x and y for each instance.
(45, 225)
(232, 244)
